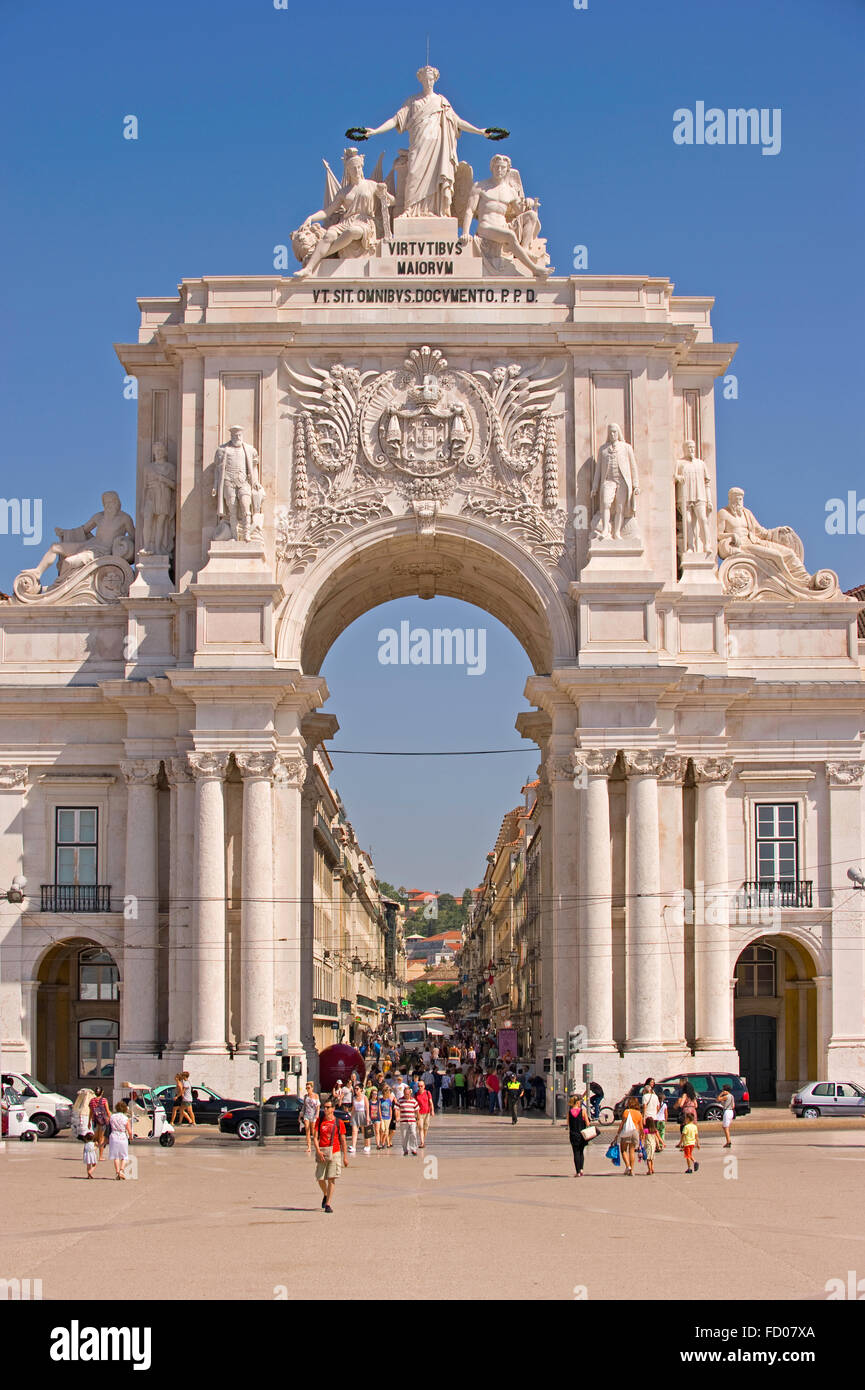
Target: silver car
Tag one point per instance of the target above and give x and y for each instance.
(828, 1098)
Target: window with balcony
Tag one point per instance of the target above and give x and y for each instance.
(76, 887)
(776, 859)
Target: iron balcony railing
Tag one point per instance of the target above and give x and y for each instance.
(326, 1007)
(777, 892)
(76, 897)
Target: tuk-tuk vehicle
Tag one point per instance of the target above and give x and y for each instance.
(147, 1116)
(14, 1123)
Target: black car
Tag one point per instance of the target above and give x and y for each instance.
(243, 1120)
(708, 1085)
(207, 1106)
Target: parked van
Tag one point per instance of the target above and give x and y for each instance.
(48, 1110)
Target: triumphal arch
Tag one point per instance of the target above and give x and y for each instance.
(424, 406)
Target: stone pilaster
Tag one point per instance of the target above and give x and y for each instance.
(712, 971)
(208, 903)
(139, 991)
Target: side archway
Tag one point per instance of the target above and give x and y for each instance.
(775, 1010)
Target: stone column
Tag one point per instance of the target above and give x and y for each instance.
(674, 903)
(592, 769)
(180, 946)
(14, 784)
(256, 913)
(138, 1016)
(645, 930)
(712, 969)
(208, 903)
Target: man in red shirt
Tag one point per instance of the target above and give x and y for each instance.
(426, 1109)
(328, 1135)
(408, 1116)
(493, 1085)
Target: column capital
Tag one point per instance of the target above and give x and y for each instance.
(177, 770)
(14, 779)
(644, 762)
(593, 762)
(208, 766)
(141, 772)
(559, 767)
(673, 769)
(259, 766)
(707, 770)
(847, 774)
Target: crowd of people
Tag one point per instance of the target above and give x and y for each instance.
(642, 1131)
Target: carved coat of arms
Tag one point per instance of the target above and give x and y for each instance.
(480, 443)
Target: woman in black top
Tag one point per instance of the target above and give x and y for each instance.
(578, 1120)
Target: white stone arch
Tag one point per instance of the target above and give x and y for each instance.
(34, 955)
(464, 559)
(803, 937)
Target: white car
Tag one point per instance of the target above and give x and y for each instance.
(48, 1110)
(828, 1098)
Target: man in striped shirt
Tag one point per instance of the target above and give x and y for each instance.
(408, 1113)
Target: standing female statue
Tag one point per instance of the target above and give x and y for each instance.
(433, 130)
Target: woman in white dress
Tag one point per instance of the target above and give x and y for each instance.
(119, 1135)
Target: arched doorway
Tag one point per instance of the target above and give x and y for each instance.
(775, 1013)
(77, 1016)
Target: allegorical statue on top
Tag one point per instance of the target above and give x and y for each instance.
(507, 219)
(427, 180)
(433, 130)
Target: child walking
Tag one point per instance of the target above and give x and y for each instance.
(90, 1153)
(690, 1141)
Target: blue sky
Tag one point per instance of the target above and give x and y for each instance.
(238, 102)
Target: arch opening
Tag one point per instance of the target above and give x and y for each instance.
(775, 1010)
(391, 561)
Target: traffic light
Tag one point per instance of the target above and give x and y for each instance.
(281, 1047)
(256, 1094)
(256, 1047)
(270, 1073)
(587, 1072)
(576, 1039)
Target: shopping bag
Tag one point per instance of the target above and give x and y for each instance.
(614, 1154)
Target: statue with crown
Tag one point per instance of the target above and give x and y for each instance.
(427, 184)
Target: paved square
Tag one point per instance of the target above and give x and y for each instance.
(494, 1211)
